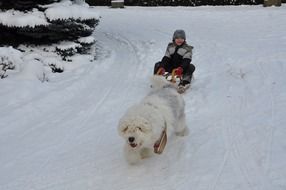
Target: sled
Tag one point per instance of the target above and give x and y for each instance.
(175, 79)
(161, 143)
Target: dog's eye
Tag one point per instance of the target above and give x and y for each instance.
(139, 128)
(125, 129)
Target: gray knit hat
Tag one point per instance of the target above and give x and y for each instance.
(179, 34)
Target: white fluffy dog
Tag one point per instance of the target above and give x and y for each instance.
(142, 125)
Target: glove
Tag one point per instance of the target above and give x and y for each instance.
(179, 71)
(161, 71)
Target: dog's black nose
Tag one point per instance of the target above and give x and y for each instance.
(131, 139)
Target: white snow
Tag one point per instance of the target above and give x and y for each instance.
(33, 69)
(62, 134)
(67, 45)
(21, 19)
(68, 10)
(86, 40)
(53, 61)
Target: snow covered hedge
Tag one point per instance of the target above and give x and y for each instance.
(99, 2)
(190, 2)
(45, 22)
(23, 4)
(47, 33)
(177, 2)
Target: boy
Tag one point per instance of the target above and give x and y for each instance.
(178, 56)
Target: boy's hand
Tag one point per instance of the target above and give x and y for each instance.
(179, 71)
(161, 71)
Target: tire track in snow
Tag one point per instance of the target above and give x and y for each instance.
(122, 83)
(122, 43)
(137, 51)
(242, 152)
(237, 143)
(54, 100)
(233, 134)
(68, 116)
(221, 168)
(271, 134)
(117, 80)
(68, 122)
(235, 148)
(111, 40)
(231, 153)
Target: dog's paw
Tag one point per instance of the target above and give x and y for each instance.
(145, 153)
(182, 133)
(132, 157)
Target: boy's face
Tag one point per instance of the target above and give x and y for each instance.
(179, 41)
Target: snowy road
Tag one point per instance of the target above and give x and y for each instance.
(62, 135)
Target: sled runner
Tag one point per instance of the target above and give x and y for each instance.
(161, 143)
(174, 78)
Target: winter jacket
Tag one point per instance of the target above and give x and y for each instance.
(177, 56)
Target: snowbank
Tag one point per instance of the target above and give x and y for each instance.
(10, 56)
(33, 70)
(33, 63)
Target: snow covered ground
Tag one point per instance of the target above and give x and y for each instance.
(62, 134)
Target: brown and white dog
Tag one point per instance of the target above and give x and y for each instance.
(142, 125)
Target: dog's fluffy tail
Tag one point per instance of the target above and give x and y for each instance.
(159, 82)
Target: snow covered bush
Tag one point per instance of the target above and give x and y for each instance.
(45, 22)
(10, 59)
(29, 64)
(67, 49)
(56, 65)
(86, 43)
(48, 27)
(82, 45)
(5, 64)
